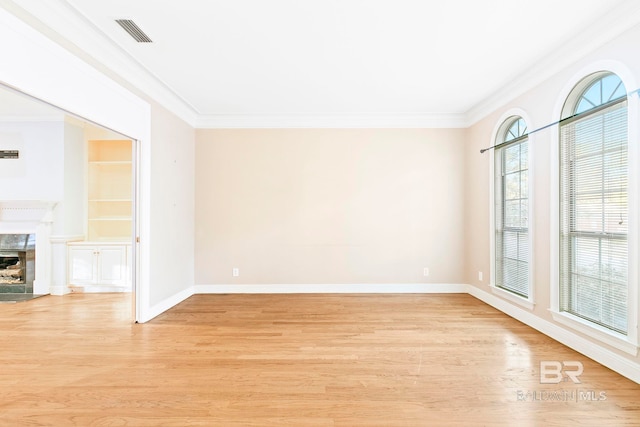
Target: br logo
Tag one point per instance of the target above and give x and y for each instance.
(554, 372)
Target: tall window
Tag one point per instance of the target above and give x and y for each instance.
(512, 208)
(593, 203)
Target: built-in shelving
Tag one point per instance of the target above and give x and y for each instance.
(109, 190)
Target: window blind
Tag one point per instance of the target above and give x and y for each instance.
(512, 217)
(593, 217)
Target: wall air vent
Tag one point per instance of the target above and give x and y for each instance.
(133, 30)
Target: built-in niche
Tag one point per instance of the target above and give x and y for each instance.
(101, 262)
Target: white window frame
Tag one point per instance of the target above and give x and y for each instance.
(529, 302)
(629, 342)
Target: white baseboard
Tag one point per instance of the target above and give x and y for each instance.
(353, 288)
(600, 354)
(98, 289)
(165, 305)
(59, 290)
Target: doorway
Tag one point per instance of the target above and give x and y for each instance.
(87, 174)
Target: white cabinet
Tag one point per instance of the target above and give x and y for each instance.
(99, 265)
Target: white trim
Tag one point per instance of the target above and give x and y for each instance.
(67, 78)
(610, 338)
(65, 20)
(351, 288)
(26, 213)
(59, 267)
(621, 70)
(633, 109)
(72, 85)
(71, 25)
(66, 238)
(527, 302)
(554, 213)
(339, 121)
(629, 80)
(516, 299)
(608, 27)
(59, 290)
(600, 354)
(167, 303)
(531, 210)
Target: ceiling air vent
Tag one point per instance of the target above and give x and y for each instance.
(133, 30)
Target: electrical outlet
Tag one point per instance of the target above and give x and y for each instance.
(425, 272)
(480, 276)
(236, 272)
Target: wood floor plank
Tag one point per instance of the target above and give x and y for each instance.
(298, 360)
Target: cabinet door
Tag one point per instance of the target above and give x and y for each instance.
(112, 265)
(82, 265)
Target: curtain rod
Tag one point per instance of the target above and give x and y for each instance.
(635, 92)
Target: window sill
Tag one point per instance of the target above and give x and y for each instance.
(614, 339)
(524, 302)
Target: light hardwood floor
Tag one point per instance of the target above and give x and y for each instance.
(292, 360)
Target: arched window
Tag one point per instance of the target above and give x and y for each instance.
(511, 195)
(593, 203)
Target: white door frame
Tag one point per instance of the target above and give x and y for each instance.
(35, 65)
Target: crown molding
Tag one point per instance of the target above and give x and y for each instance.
(608, 27)
(340, 121)
(67, 26)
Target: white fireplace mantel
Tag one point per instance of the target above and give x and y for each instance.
(25, 215)
(32, 216)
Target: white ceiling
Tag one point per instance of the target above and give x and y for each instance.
(350, 58)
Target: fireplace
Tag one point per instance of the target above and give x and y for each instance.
(17, 263)
(33, 219)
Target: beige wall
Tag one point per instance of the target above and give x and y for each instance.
(329, 206)
(172, 205)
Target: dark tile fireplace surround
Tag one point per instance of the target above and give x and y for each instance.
(17, 263)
